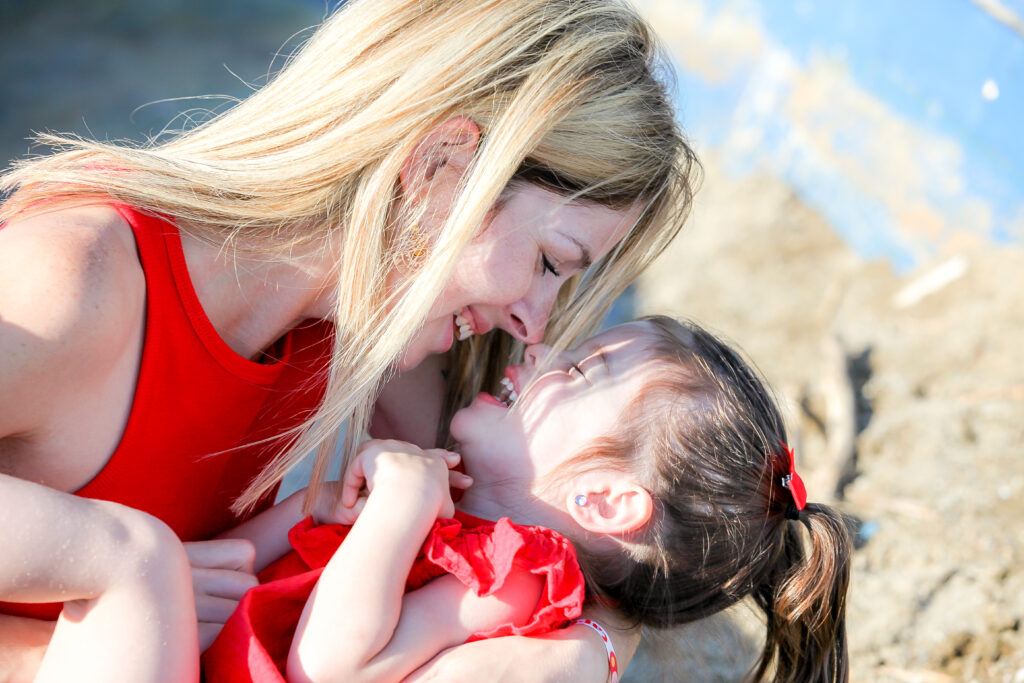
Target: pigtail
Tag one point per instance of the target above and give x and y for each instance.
(731, 517)
(804, 601)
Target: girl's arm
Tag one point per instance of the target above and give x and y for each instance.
(352, 619)
(575, 653)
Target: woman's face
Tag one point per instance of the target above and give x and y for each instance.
(509, 275)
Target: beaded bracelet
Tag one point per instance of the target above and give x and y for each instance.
(613, 661)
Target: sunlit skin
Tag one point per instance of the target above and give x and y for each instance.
(559, 412)
(509, 275)
(511, 454)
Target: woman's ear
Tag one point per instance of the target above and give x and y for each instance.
(442, 156)
(609, 503)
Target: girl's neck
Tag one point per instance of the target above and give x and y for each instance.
(501, 500)
(484, 507)
(252, 301)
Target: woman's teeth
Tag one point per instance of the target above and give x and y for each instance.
(508, 392)
(465, 331)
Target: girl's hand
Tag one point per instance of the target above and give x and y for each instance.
(222, 571)
(397, 463)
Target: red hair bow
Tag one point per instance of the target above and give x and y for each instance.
(792, 481)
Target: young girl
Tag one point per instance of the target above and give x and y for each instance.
(652, 446)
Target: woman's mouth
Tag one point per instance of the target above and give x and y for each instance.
(463, 325)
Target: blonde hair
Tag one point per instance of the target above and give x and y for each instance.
(565, 93)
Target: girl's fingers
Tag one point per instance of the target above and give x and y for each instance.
(458, 480)
(345, 514)
(353, 483)
(451, 458)
(352, 512)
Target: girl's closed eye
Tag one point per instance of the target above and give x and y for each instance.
(573, 366)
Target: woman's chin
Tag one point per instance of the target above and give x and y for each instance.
(420, 348)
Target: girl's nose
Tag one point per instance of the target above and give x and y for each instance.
(535, 354)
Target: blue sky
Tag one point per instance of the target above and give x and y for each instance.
(946, 68)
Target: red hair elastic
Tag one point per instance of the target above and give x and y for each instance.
(792, 481)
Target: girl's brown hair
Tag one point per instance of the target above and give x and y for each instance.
(705, 438)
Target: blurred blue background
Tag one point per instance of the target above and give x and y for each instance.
(899, 121)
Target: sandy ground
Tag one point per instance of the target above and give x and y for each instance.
(906, 401)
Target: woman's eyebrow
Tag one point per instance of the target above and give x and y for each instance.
(585, 261)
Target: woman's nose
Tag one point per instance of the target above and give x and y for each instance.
(528, 317)
(527, 328)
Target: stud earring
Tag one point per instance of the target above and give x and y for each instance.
(412, 250)
(581, 500)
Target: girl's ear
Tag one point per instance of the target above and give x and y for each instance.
(609, 503)
(441, 156)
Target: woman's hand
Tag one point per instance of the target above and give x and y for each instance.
(222, 571)
(402, 465)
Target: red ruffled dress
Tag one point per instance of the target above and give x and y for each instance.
(254, 644)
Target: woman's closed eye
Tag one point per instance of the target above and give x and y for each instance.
(549, 266)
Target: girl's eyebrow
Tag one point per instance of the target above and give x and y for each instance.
(600, 355)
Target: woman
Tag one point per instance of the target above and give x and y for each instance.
(419, 171)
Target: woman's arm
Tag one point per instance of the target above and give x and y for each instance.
(71, 308)
(122, 574)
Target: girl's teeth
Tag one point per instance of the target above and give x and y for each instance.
(508, 392)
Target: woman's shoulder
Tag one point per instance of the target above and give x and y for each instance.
(70, 263)
(72, 293)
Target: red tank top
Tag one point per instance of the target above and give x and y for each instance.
(184, 456)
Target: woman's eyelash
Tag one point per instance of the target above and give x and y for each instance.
(548, 265)
(577, 368)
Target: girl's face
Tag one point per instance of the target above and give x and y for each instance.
(558, 411)
(509, 275)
